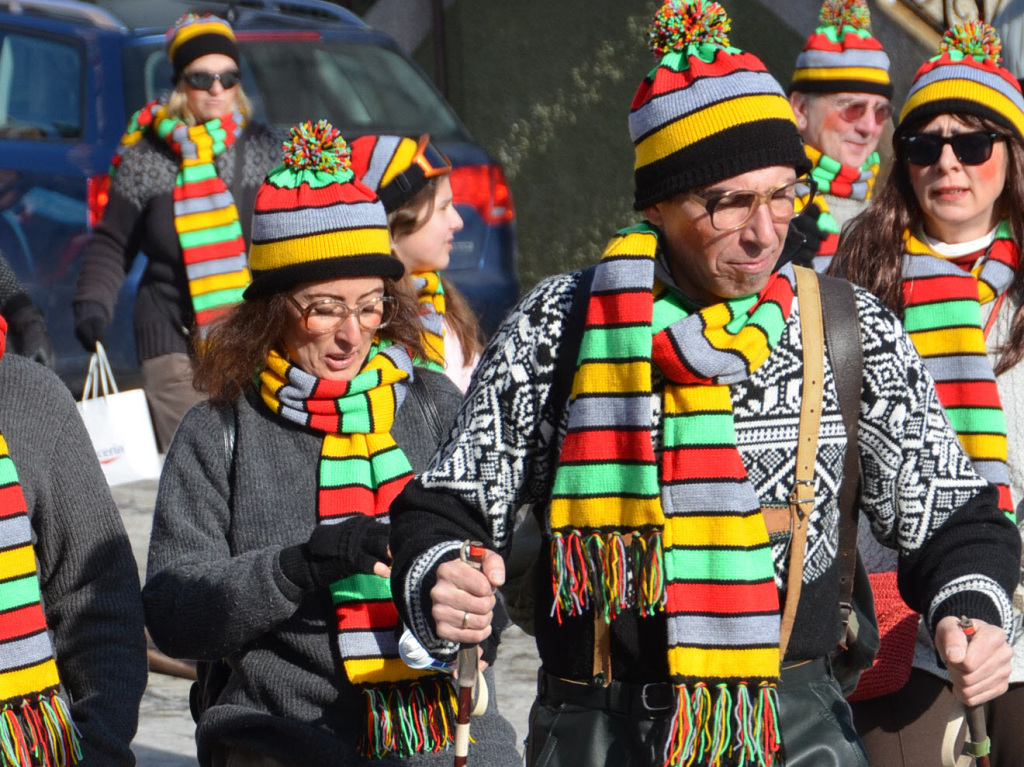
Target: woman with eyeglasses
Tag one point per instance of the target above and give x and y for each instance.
(412, 179)
(270, 537)
(940, 246)
(181, 191)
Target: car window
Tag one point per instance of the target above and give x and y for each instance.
(40, 88)
(360, 88)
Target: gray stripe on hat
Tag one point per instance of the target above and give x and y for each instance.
(216, 266)
(960, 367)
(723, 631)
(16, 530)
(674, 105)
(608, 412)
(815, 59)
(361, 644)
(967, 72)
(383, 151)
(304, 222)
(26, 651)
(216, 201)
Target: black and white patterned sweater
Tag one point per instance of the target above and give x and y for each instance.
(958, 553)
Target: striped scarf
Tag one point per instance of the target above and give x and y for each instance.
(943, 317)
(205, 216)
(689, 539)
(35, 722)
(361, 471)
(430, 294)
(837, 180)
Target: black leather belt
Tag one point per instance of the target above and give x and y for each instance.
(651, 700)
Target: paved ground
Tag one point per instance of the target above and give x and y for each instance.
(166, 731)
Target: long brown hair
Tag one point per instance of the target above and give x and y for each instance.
(235, 350)
(870, 252)
(458, 313)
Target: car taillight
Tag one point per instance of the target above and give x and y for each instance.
(484, 187)
(97, 190)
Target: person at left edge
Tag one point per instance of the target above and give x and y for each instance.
(189, 216)
(73, 650)
(659, 599)
(271, 553)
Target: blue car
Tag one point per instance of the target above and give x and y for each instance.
(71, 74)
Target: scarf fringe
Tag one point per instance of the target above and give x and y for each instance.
(409, 718)
(39, 733)
(733, 728)
(614, 572)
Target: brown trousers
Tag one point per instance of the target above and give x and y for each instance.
(167, 380)
(905, 729)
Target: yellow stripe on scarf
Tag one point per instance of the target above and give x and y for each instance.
(595, 512)
(620, 377)
(377, 670)
(722, 663)
(941, 342)
(18, 562)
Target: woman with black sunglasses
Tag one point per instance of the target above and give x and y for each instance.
(940, 246)
(182, 188)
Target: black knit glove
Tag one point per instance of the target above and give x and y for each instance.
(26, 331)
(334, 551)
(806, 224)
(89, 330)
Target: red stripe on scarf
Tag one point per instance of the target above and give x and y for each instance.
(207, 316)
(702, 464)
(670, 363)
(968, 394)
(342, 501)
(938, 289)
(619, 309)
(1005, 501)
(605, 445)
(367, 616)
(213, 251)
(22, 622)
(12, 501)
(198, 189)
(1005, 252)
(721, 598)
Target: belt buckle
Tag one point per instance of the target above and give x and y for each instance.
(654, 689)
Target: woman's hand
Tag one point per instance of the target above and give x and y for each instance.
(980, 670)
(463, 599)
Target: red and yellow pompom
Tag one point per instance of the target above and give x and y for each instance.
(846, 13)
(973, 38)
(679, 23)
(317, 147)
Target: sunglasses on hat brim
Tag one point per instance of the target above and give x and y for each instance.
(429, 159)
(970, 148)
(203, 81)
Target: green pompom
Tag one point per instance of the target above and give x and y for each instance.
(846, 13)
(679, 23)
(317, 147)
(973, 38)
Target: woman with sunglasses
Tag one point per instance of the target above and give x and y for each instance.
(940, 246)
(181, 191)
(412, 179)
(270, 537)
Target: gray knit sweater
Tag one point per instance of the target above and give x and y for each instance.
(89, 580)
(215, 586)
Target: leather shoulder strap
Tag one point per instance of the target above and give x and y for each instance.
(843, 342)
(801, 500)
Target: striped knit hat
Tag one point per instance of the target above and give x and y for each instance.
(965, 78)
(842, 56)
(397, 167)
(193, 36)
(314, 220)
(707, 111)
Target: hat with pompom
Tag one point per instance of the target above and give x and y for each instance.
(314, 220)
(707, 111)
(966, 78)
(841, 56)
(194, 35)
(397, 167)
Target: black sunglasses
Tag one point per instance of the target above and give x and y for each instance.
(969, 148)
(203, 81)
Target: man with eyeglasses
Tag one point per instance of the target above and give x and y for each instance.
(649, 411)
(840, 94)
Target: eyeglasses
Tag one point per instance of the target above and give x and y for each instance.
(203, 81)
(730, 211)
(852, 111)
(969, 148)
(326, 315)
(429, 159)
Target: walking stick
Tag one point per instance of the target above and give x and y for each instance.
(473, 555)
(977, 745)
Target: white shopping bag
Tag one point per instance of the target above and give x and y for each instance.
(119, 425)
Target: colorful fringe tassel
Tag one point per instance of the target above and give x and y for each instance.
(731, 729)
(615, 572)
(39, 733)
(409, 718)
